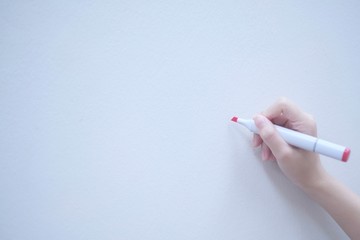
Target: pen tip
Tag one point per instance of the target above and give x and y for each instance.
(234, 119)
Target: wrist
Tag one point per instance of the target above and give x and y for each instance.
(317, 183)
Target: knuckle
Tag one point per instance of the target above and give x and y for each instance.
(311, 118)
(283, 101)
(283, 104)
(312, 122)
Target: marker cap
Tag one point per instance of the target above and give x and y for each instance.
(346, 154)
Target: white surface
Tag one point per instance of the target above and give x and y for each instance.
(115, 116)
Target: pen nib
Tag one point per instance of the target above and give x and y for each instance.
(234, 119)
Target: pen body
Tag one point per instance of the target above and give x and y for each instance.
(305, 141)
(311, 143)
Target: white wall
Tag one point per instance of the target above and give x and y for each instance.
(115, 116)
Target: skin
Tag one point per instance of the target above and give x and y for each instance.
(304, 168)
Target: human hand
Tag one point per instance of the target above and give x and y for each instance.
(302, 167)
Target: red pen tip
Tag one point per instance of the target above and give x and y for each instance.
(234, 119)
(346, 155)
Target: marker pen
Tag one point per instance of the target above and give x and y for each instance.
(303, 141)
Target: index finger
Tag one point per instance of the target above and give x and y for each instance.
(284, 110)
(285, 113)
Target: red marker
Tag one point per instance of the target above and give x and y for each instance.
(303, 141)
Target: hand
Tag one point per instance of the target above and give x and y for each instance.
(302, 167)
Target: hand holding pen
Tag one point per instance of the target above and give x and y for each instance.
(303, 167)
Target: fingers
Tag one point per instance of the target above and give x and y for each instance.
(256, 141)
(285, 113)
(272, 140)
(284, 110)
(265, 152)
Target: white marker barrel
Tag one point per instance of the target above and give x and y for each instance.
(313, 144)
(332, 150)
(303, 141)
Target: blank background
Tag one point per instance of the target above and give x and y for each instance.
(115, 116)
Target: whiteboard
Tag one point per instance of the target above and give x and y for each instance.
(115, 116)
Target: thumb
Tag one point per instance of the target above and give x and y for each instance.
(271, 137)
